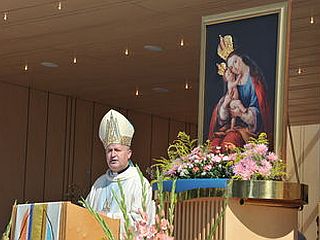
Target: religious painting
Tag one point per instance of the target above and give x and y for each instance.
(242, 76)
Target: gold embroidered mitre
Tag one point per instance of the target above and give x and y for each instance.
(225, 47)
(115, 128)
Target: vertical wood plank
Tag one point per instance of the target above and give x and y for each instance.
(175, 128)
(70, 146)
(311, 177)
(83, 145)
(36, 146)
(55, 149)
(13, 121)
(141, 140)
(68, 153)
(160, 133)
(193, 131)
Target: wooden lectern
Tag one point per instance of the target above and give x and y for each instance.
(58, 221)
(253, 210)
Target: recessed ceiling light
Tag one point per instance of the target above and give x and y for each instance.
(126, 52)
(153, 48)
(49, 64)
(181, 42)
(299, 71)
(137, 93)
(160, 90)
(311, 20)
(59, 6)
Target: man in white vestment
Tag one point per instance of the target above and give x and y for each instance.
(116, 134)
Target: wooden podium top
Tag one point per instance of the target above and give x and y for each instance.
(58, 220)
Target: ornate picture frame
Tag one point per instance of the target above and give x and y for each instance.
(243, 71)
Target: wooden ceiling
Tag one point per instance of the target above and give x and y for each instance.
(97, 32)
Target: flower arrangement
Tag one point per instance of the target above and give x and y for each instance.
(162, 229)
(253, 161)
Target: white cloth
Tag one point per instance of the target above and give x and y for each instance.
(101, 197)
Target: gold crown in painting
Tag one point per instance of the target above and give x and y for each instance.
(115, 128)
(225, 46)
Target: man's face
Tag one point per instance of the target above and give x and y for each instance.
(117, 156)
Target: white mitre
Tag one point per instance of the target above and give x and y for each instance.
(115, 128)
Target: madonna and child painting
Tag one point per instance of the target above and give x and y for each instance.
(240, 80)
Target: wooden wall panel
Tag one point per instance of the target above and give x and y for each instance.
(36, 146)
(98, 165)
(193, 130)
(311, 176)
(55, 148)
(141, 140)
(69, 146)
(50, 145)
(83, 145)
(160, 137)
(297, 149)
(175, 128)
(306, 142)
(13, 121)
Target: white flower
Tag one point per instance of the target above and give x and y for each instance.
(225, 158)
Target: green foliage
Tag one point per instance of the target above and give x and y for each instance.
(218, 220)
(182, 146)
(278, 171)
(123, 207)
(160, 196)
(160, 200)
(144, 189)
(173, 202)
(262, 139)
(251, 161)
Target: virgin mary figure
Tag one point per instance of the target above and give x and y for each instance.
(253, 116)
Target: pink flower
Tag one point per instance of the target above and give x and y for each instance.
(226, 158)
(232, 157)
(195, 169)
(265, 168)
(152, 231)
(248, 146)
(142, 229)
(163, 236)
(272, 156)
(164, 224)
(261, 149)
(216, 158)
(245, 168)
(207, 167)
(143, 214)
(194, 158)
(196, 150)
